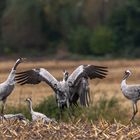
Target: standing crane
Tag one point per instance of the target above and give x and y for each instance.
(7, 87)
(67, 91)
(83, 91)
(37, 115)
(131, 92)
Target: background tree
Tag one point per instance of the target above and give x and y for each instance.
(101, 42)
(21, 26)
(125, 24)
(84, 27)
(2, 7)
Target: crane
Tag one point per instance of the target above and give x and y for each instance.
(18, 116)
(70, 89)
(131, 92)
(37, 115)
(7, 86)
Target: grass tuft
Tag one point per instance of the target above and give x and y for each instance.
(109, 109)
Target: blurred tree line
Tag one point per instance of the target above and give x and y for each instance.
(108, 28)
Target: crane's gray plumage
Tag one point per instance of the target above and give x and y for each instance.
(71, 88)
(35, 76)
(65, 75)
(84, 92)
(7, 87)
(87, 71)
(78, 82)
(131, 92)
(79, 91)
(18, 116)
(37, 115)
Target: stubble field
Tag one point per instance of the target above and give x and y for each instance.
(108, 87)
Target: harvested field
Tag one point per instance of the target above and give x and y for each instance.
(109, 86)
(73, 131)
(102, 129)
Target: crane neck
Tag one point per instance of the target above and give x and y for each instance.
(16, 64)
(123, 84)
(11, 77)
(65, 78)
(30, 107)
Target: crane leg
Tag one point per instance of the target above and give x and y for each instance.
(60, 114)
(70, 113)
(3, 107)
(88, 99)
(2, 110)
(135, 110)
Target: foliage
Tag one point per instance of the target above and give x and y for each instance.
(125, 25)
(79, 40)
(91, 27)
(101, 42)
(21, 28)
(49, 107)
(108, 109)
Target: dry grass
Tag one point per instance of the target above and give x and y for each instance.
(109, 86)
(78, 130)
(73, 131)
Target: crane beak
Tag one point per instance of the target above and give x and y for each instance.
(23, 59)
(125, 76)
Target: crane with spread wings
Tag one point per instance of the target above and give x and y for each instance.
(72, 88)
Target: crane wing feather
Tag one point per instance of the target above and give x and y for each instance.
(88, 71)
(35, 76)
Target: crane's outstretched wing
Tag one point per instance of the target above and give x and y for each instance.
(88, 71)
(35, 76)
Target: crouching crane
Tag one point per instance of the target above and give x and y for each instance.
(37, 115)
(18, 116)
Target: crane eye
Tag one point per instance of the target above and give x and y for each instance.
(55, 86)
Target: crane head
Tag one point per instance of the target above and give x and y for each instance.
(28, 100)
(66, 75)
(127, 73)
(20, 60)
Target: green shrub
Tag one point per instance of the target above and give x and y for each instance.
(109, 109)
(78, 40)
(24, 26)
(101, 41)
(125, 23)
(49, 107)
(105, 108)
